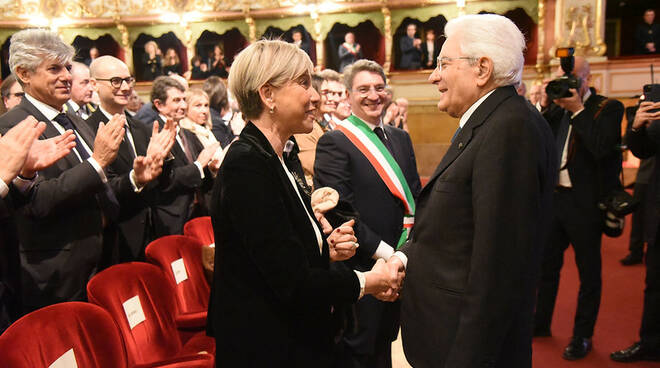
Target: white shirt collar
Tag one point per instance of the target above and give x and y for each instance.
(470, 111)
(48, 111)
(372, 126)
(107, 114)
(74, 105)
(586, 95)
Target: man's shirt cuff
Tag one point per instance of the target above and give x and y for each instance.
(4, 189)
(363, 282)
(133, 179)
(24, 185)
(99, 169)
(383, 251)
(402, 257)
(201, 169)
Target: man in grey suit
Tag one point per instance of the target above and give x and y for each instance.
(473, 256)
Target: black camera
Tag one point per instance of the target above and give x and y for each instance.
(559, 88)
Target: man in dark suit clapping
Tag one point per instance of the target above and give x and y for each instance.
(60, 224)
(373, 167)
(474, 252)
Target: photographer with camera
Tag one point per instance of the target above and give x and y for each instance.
(644, 142)
(587, 128)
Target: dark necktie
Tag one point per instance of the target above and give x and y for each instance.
(66, 123)
(186, 146)
(107, 200)
(562, 135)
(381, 135)
(455, 134)
(127, 141)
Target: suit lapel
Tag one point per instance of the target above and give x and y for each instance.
(464, 137)
(140, 136)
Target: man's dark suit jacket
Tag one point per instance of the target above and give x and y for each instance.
(134, 222)
(411, 56)
(474, 253)
(644, 144)
(340, 165)
(59, 222)
(346, 57)
(594, 157)
(272, 293)
(177, 186)
(220, 130)
(147, 115)
(434, 58)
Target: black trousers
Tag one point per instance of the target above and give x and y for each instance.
(636, 245)
(583, 230)
(650, 330)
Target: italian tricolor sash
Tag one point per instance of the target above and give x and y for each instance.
(367, 142)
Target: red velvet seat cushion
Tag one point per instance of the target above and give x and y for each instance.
(41, 337)
(201, 229)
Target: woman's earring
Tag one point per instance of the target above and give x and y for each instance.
(272, 109)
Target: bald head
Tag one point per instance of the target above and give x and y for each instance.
(81, 87)
(106, 66)
(103, 69)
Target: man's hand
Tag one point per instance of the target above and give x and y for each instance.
(644, 116)
(207, 153)
(572, 104)
(146, 169)
(397, 273)
(381, 283)
(45, 152)
(107, 141)
(342, 243)
(161, 142)
(650, 46)
(15, 146)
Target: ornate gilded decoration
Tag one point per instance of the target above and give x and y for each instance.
(387, 15)
(578, 24)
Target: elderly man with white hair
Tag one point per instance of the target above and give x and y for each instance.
(472, 258)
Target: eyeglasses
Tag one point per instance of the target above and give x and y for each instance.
(116, 82)
(441, 62)
(364, 90)
(327, 92)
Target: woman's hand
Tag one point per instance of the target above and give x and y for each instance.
(383, 282)
(342, 242)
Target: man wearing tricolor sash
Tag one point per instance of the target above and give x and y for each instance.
(373, 167)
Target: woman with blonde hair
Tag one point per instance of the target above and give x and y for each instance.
(153, 66)
(198, 117)
(172, 63)
(273, 292)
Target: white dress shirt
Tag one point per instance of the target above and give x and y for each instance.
(564, 177)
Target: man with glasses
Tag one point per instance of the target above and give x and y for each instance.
(133, 228)
(587, 127)
(332, 93)
(473, 255)
(11, 92)
(372, 166)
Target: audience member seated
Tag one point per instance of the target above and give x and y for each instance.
(221, 114)
(216, 64)
(403, 103)
(198, 117)
(430, 50)
(299, 40)
(11, 92)
(172, 64)
(349, 51)
(411, 49)
(93, 54)
(81, 91)
(536, 93)
(139, 161)
(185, 176)
(60, 225)
(647, 35)
(199, 69)
(152, 64)
(135, 103)
(148, 113)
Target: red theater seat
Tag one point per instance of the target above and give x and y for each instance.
(67, 332)
(201, 229)
(153, 339)
(183, 254)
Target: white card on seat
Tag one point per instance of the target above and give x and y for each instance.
(67, 360)
(179, 270)
(134, 312)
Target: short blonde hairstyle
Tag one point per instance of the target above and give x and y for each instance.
(264, 62)
(195, 93)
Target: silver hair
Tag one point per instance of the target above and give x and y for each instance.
(31, 46)
(493, 36)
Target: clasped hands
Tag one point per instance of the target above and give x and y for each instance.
(385, 280)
